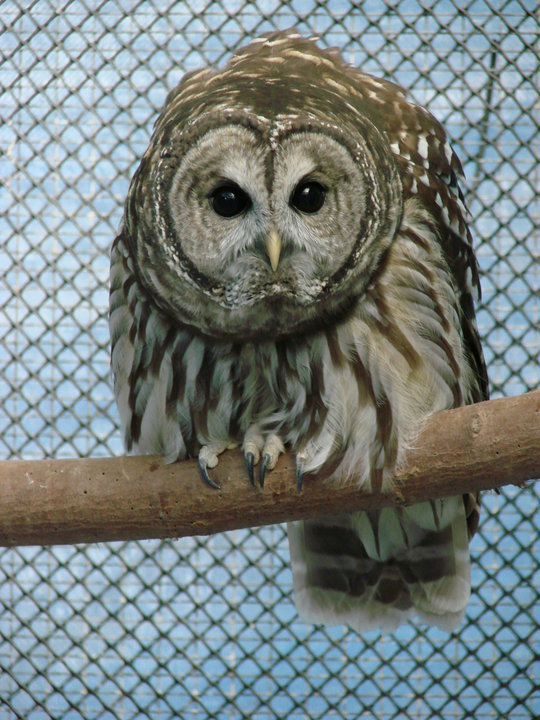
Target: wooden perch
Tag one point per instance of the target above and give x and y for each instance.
(89, 500)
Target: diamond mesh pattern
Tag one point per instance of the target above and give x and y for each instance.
(204, 628)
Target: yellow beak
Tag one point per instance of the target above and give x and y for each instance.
(273, 248)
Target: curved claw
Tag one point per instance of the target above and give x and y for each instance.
(299, 477)
(206, 477)
(264, 464)
(250, 461)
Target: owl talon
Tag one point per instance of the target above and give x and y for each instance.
(208, 458)
(265, 462)
(299, 477)
(250, 462)
(255, 444)
(205, 476)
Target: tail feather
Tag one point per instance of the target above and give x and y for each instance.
(378, 569)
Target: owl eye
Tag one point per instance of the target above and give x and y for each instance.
(308, 196)
(229, 200)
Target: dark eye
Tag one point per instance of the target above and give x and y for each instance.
(229, 200)
(308, 196)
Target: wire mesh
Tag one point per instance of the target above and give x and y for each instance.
(204, 628)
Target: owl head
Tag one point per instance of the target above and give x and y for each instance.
(267, 196)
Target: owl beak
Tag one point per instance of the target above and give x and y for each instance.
(273, 248)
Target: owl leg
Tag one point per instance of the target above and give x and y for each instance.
(254, 445)
(208, 458)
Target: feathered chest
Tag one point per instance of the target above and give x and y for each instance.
(279, 385)
(226, 388)
(356, 390)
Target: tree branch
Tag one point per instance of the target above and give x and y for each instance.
(94, 500)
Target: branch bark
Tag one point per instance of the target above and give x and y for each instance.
(44, 502)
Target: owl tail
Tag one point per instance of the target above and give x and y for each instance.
(377, 569)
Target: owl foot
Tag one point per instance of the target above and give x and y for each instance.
(302, 459)
(256, 448)
(299, 476)
(208, 458)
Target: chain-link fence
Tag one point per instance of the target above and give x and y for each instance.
(206, 628)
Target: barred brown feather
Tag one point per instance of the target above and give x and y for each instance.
(333, 329)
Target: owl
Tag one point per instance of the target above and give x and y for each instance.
(295, 270)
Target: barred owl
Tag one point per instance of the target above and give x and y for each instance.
(294, 270)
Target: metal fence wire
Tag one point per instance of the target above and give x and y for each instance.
(206, 628)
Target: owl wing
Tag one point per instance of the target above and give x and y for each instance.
(431, 171)
(376, 569)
